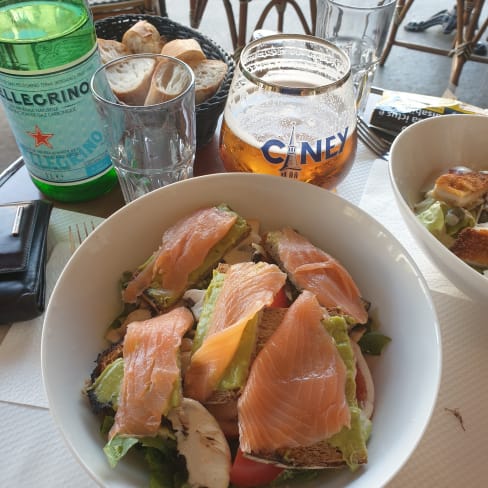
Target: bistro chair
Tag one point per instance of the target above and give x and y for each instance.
(108, 8)
(470, 27)
(238, 29)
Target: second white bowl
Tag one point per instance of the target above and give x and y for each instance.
(419, 154)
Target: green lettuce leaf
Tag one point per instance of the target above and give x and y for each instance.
(298, 476)
(433, 219)
(167, 469)
(118, 447)
(350, 441)
(373, 342)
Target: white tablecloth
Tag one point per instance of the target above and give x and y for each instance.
(32, 452)
(451, 454)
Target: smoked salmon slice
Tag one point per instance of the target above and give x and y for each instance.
(295, 393)
(184, 248)
(246, 289)
(310, 268)
(151, 372)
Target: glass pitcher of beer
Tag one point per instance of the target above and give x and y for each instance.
(291, 111)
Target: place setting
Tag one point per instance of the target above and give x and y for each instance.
(279, 279)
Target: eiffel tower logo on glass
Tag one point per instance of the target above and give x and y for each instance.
(291, 167)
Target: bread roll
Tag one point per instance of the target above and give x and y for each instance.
(130, 80)
(143, 37)
(168, 81)
(209, 75)
(110, 50)
(187, 50)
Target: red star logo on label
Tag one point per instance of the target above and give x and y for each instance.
(41, 138)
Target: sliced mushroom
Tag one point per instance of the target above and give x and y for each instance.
(202, 442)
(247, 248)
(194, 299)
(138, 315)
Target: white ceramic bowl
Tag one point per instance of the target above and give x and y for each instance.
(419, 154)
(86, 299)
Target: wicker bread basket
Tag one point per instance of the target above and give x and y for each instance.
(208, 112)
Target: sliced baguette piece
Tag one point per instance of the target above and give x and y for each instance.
(209, 75)
(130, 79)
(110, 49)
(187, 50)
(143, 38)
(168, 81)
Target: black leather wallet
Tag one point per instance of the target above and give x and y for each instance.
(23, 236)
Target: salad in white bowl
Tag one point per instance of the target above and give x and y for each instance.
(437, 170)
(244, 348)
(455, 211)
(88, 297)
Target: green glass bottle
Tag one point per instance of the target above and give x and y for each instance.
(48, 53)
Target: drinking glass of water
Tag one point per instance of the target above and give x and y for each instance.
(147, 106)
(360, 28)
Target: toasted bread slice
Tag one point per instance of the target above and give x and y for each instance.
(209, 75)
(161, 298)
(130, 79)
(461, 189)
(269, 321)
(143, 37)
(106, 357)
(318, 456)
(271, 318)
(471, 246)
(168, 81)
(223, 406)
(223, 403)
(344, 300)
(110, 50)
(187, 50)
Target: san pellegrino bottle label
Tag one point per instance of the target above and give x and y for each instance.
(54, 120)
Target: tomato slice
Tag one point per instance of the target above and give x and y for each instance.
(280, 300)
(247, 473)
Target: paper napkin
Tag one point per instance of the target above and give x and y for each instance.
(456, 435)
(352, 187)
(40, 458)
(379, 201)
(20, 350)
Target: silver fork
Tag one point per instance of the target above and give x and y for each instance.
(79, 233)
(380, 146)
